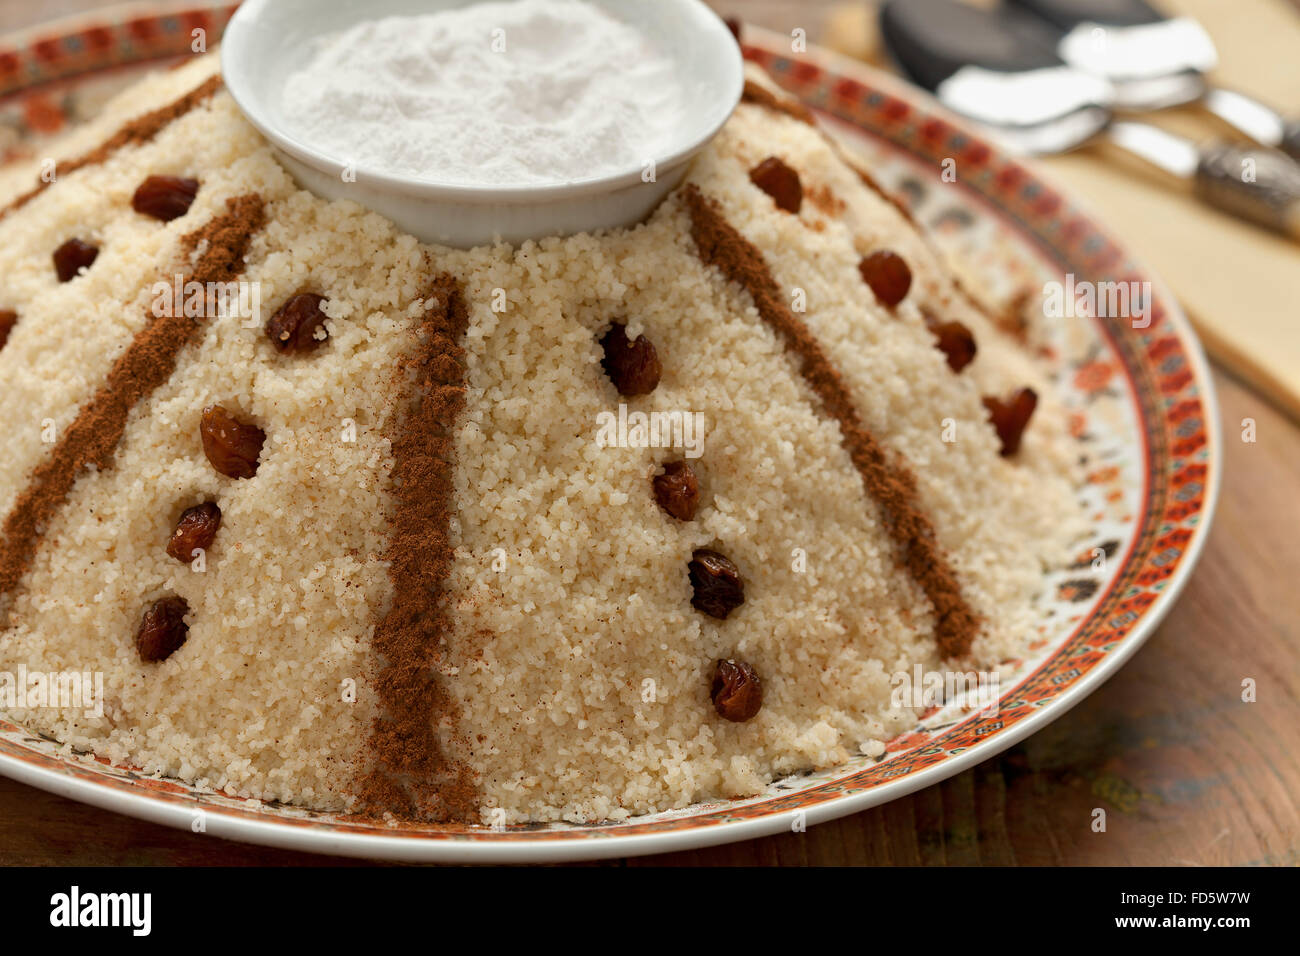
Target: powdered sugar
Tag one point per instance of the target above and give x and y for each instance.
(517, 93)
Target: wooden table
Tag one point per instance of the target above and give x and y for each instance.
(1188, 774)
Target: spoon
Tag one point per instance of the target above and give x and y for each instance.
(1155, 61)
(1002, 69)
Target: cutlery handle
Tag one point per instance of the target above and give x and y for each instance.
(933, 39)
(1248, 115)
(1291, 139)
(1068, 14)
(1252, 183)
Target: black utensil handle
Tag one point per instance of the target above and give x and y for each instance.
(1261, 185)
(933, 39)
(1068, 14)
(1291, 139)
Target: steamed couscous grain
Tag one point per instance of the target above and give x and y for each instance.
(576, 669)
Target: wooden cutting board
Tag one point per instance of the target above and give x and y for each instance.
(1239, 284)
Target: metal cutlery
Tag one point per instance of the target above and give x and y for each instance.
(1002, 68)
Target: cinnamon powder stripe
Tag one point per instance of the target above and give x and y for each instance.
(410, 774)
(135, 132)
(147, 363)
(890, 483)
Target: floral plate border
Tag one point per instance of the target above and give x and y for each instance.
(1145, 413)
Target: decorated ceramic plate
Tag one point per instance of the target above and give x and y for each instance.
(1139, 393)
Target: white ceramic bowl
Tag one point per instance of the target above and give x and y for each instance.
(267, 40)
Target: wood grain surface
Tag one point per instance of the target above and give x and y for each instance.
(1186, 772)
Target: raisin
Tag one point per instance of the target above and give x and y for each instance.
(888, 276)
(165, 197)
(73, 256)
(678, 490)
(231, 446)
(162, 629)
(954, 340)
(293, 327)
(8, 319)
(780, 182)
(1011, 417)
(633, 366)
(718, 587)
(736, 691)
(196, 530)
